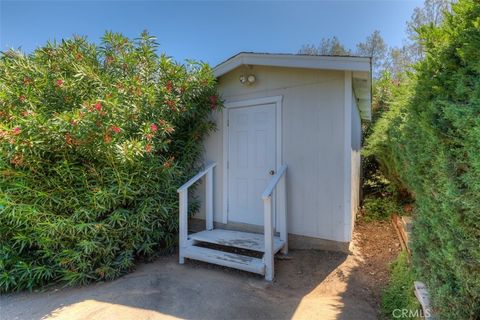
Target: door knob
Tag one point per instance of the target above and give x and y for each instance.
(272, 172)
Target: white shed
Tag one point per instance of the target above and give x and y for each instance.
(285, 158)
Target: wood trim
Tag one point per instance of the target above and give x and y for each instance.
(273, 183)
(224, 166)
(347, 181)
(293, 61)
(197, 177)
(277, 100)
(253, 102)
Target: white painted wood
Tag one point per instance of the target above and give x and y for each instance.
(264, 101)
(183, 240)
(362, 88)
(313, 141)
(356, 146)
(183, 227)
(273, 182)
(236, 239)
(197, 177)
(293, 61)
(251, 160)
(268, 257)
(224, 153)
(421, 292)
(253, 102)
(209, 199)
(347, 158)
(226, 259)
(282, 211)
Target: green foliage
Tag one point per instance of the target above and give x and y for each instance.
(375, 183)
(429, 142)
(380, 208)
(398, 295)
(94, 141)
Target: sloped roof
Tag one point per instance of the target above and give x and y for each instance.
(360, 67)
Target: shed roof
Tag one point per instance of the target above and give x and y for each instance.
(360, 66)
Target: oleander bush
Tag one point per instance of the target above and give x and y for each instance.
(429, 143)
(94, 142)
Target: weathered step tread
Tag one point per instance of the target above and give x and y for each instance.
(236, 239)
(226, 259)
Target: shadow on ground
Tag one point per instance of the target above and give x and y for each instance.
(308, 285)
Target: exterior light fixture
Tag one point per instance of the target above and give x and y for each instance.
(248, 79)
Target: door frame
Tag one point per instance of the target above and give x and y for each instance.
(277, 100)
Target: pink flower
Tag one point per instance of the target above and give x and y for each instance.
(17, 130)
(213, 102)
(116, 129)
(169, 86)
(22, 98)
(154, 127)
(68, 139)
(148, 148)
(59, 82)
(98, 106)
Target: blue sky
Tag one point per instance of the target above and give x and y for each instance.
(210, 31)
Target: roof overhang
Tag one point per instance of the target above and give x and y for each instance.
(360, 66)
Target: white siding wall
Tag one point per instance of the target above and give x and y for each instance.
(313, 145)
(356, 145)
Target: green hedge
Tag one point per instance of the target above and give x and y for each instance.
(429, 142)
(94, 141)
(399, 293)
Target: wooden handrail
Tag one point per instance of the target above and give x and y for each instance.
(273, 183)
(279, 180)
(197, 177)
(183, 207)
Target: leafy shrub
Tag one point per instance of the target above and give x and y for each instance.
(380, 208)
(94, 141)
(429, 142)
(399, 295)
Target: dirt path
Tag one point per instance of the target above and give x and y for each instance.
(308, 285)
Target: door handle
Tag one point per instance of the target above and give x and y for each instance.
(272, 172)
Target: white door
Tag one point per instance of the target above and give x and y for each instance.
(251, 160)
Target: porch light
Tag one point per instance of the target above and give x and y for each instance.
(248, 79)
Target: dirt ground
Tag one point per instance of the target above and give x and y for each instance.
(308, 285)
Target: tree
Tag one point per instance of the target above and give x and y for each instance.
(376, 48)
(431, 13)
(398, 60)
(328, 47)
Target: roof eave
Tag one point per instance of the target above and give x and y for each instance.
(360, 67)
(293, 61)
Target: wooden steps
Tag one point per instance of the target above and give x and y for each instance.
(236, 239)
(226, 259)
(233, 239)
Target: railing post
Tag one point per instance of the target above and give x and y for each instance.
(209, 199)
(282, 211)
(183, 224)
(268, 257)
